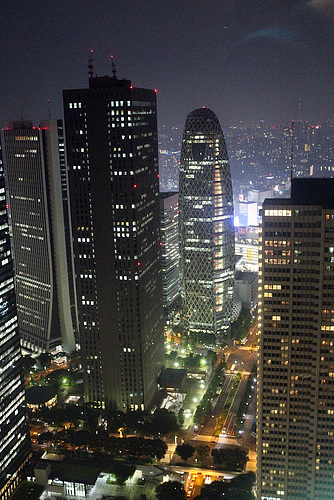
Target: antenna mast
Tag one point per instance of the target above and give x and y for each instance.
(291, 157)
(114, 70)
(21, 110)
(49, 112)
(90, 64)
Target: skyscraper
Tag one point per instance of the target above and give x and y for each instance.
(14, 434)
(295, 444)
(42, 258)
(170, 249)
(206, 226)
(111, 136)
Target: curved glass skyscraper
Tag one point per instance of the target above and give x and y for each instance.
(206, 225)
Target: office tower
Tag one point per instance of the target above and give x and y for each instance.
(295, 446)
(169, 214)
(111, 137)
(41, 243)
(14, 434)
(206, 226)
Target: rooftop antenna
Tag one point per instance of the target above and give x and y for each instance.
(114, 70)
(90, 64)
(300, 108)
(21, 110)
(49, 112)
(291, 157)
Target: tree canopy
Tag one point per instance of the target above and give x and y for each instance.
(170, 490)
(185, 451)
(101, 442)
(230, 458)
(203, 452)
(161, 422)
(239, 488)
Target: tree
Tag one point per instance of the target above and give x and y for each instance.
(203, 452)
(185, 451)
(122, 471)
(162, 422)
(134, 420)
(214, 491)
(212, 356)
(44, 359)
(239, 488)
(230, 458)
(28, 363)
(58, 378)
(181, 416)
(45, 437)
(170, 490)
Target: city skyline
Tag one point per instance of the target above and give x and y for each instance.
(150, 354)
(247, 60)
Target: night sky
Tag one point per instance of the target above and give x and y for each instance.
(245, 59)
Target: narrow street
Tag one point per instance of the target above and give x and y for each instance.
(211, 422)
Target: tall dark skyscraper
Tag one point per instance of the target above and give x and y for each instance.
(206, 226)
(111, 136)
(295, 445)
(14, 434)
(42, 251)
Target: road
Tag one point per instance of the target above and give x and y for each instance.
(243, 358)
(229, 425)
(211, 422)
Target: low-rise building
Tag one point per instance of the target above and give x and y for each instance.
(40, 396)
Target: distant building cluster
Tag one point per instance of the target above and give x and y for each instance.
(99, 259)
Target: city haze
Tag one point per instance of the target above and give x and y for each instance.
(247, 60)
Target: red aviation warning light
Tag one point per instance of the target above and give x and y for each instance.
(114, 70)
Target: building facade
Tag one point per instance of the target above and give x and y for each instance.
(169, 216)
(295, 445)
(247, 288)
(111, 136)
(41, 244)
(14, 432)
(206, 226)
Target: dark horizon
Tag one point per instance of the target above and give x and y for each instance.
(247, 61)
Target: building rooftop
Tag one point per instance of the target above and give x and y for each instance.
(308, 191)
(42, 466)
(248, 276)
(172, 377)
(40, 394)
(103, 82)
(28, 490)
(168, 194)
